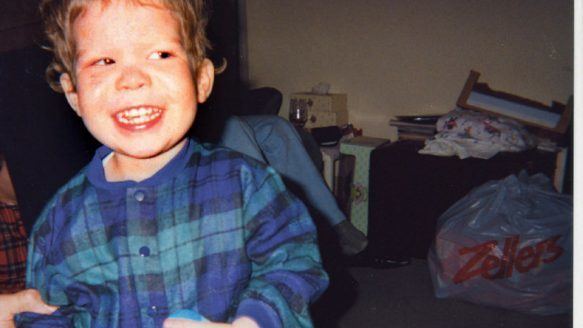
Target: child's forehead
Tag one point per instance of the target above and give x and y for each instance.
(78, 9)
(93, 8)
(153, 3)
(112, 17)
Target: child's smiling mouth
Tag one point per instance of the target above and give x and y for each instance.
(138, 118)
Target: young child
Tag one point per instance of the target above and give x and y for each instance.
(158, 223)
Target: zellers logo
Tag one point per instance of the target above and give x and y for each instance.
(489, 266)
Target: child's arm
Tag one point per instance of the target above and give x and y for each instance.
(43, 276)
(281, 242)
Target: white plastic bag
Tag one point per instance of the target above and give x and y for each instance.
(507, 244)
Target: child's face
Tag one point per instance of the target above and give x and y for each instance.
(135, 91)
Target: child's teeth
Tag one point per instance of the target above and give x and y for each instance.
(138, 116)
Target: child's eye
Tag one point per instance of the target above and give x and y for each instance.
(104, 61)
(160, 55)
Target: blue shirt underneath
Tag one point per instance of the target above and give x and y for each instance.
(212, 231)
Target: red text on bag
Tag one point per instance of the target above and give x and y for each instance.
(489, 266)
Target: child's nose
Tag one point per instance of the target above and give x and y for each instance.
(132, 77)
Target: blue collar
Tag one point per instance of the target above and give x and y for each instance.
(96, 172)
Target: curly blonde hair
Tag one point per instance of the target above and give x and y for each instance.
(59, 16)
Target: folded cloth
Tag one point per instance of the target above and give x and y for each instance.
(467, 133)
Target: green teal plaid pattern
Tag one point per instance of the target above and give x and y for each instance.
(213, 231)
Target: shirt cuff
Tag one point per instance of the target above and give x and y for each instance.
(36, 320)
(263, 314)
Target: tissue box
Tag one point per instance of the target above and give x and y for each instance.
(324, 110)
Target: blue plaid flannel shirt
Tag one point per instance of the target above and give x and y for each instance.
(212, 231)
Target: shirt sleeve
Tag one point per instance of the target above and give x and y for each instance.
(281, 242)
(43, 274)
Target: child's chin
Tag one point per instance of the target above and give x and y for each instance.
(148, 148)
(139, 151)
(146, 154)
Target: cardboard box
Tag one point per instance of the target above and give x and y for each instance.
(360, 148)
(324, 110)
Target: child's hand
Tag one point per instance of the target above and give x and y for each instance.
(242, 322)
(24, 301)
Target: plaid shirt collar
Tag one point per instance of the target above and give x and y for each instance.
(96, 173)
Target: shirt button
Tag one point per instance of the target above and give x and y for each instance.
(153, 310)
(139, 195)
(144, 251)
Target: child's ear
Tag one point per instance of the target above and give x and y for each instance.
(70, 92)
(205, 77)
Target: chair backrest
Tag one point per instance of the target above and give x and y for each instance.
(262, 101)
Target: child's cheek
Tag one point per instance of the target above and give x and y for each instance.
(96, 79)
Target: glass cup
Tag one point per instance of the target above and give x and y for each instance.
(298, 112)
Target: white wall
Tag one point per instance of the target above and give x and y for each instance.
(403, 57)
